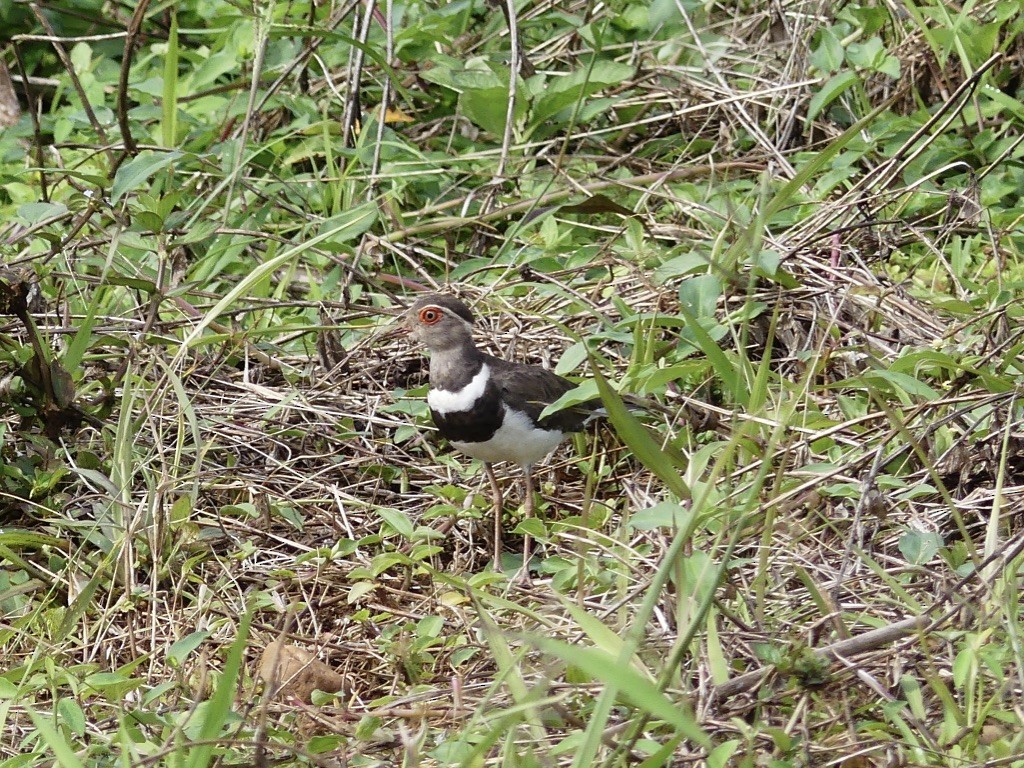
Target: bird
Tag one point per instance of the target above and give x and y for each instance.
(489, 408)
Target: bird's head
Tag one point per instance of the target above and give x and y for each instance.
(439, 322)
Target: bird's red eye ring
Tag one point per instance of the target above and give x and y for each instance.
(430, 315)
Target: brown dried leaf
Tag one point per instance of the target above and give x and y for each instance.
(295, 672)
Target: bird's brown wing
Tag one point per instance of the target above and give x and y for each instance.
(531, 389)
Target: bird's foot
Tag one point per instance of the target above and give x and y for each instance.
(522, 577)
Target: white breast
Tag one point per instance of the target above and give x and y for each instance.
(516, 440)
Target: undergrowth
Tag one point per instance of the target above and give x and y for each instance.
(792, 228)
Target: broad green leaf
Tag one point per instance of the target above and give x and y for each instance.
(571, 358)
(430, 626)
(33, 213)
(180, 650)
(919, 547)
(699, 294)
(488, 107)
(830, 91)
(139, 169)
(561, 93)
(81, 57)
(350, 224)
(387, 560)
(679, 266)
(665, 514)
(584, 393)
(399, 521)
(889, 65)
(721, 756)
(903, 383)
(827, 56)
(462, 78)
(867, 54)
(212, 68)
(359, 590)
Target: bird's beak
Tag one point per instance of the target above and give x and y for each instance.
(396, 329)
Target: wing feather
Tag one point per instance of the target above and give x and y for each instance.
(531, 389)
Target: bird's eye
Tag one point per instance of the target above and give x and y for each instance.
(430, 315)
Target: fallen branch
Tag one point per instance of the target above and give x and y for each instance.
(868, 641)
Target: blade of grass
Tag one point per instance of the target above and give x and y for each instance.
(169, 112)
(637, 438)
(62, 751)
(626, 681)
(219, 711)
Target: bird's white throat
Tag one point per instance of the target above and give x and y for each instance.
(445, 401)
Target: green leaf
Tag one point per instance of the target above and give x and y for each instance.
(663, 755)
(700, 294)
(827, 57)
(359, 590)
(139, 169)
(28, 540)
(430, 626)
(350, 224)
(459, 77)
(721, 756)
(212, 68)
(65, 754)
(81, 57)
(200, 232)
(399, 521)
(867, 54)
(219, 712)
(180, 650)
(665, 514)
(561, 93)
(169, 96)
(571, 358)
(901, 382)
(830, 91)
(919, 547)
(386, 561)
(890, 66)
(680, 266)
(486, 108)
(584, 393)
(730, 374)
(70, 715)
(604, 638)
(34, 213)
